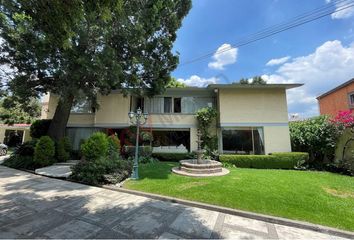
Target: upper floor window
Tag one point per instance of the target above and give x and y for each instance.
(81, 106)
(188, 105)
(351, 99)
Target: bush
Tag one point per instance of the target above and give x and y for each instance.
(22, 157)
(40, 128)
(95, 146)
(26, 149)
(63, 150)
(102, 163)
(20, 162)
(44, 152)
(274, 161)
(102, 171)
(113, 144)
(317, 136)
(173, 157)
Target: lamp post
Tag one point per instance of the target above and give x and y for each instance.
(138, 118)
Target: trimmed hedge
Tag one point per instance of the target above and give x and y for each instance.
(44, 152)
(273, 161)
(40, 128)
(144, 151)
(173, 157)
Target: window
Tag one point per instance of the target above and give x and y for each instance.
(243, 140)
(81, 106)
(177, 105)
(167, 104)
(171, 138)
(351, 99)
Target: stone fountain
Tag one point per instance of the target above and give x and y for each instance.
(200, 167)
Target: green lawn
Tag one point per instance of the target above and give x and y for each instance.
(317, 197)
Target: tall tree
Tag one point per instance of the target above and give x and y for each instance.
(12, 111)
(68, 47)
(255, 80)
(173, 83)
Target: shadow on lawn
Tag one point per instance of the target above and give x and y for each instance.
(39, 207)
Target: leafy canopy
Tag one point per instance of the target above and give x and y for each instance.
(13, 111)
(93, 46)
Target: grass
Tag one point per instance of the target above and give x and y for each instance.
(316, 197)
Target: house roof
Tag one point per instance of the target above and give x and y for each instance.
(257, 86)
(336, 88)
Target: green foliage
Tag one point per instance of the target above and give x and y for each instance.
(317, 136)
(40, 128)
(12, 111)
(274, 161)
(257, 80)
(113, 144)
(63, 150)
(95, 146)
(173, 157)
(173, 83)
(44, 152)
(20, 162)
(102, 171)
(206, 117)
(98, 46)
(26, 148)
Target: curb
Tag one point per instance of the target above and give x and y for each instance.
(256, 216)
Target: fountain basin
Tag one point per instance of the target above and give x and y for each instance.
(207, 168)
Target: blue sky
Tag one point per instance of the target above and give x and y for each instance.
(319, 54)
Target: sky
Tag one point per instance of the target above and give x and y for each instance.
(319, 54)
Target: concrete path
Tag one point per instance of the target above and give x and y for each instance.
(58, 170)
(32, 206)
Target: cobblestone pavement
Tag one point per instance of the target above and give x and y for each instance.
(32, 206)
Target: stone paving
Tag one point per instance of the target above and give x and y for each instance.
(32, 206)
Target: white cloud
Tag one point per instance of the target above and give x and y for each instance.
(223, 56)
(330, 65)
(196, 81)
(277, 61)
(346, 11)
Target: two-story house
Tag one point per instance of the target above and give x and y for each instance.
(252, 119)
(340, 98)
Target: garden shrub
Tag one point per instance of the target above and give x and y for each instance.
(63, 150)
(317, 136)
(113, 144)
(145, 160)
(103, 170)
(95, 146)
(22, 157)
(40, 128)
(274, 161)
(44, 152)
(20, 162)
(173, 157)
(102, 163)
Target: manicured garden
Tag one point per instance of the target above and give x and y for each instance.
(313, 196)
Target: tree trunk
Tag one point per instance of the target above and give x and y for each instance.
(60, 119)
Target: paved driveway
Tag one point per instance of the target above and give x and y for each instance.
(37, 207)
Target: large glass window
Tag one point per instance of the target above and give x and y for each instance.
(167, 104)
(243, 140)
(171, 138)
(177, 105)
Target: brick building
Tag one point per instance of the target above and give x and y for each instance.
(338, 99)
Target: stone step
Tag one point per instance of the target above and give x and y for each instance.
(201, 171)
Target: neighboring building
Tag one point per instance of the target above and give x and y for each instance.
(338, 99)
(13, 135)
(252, 119)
